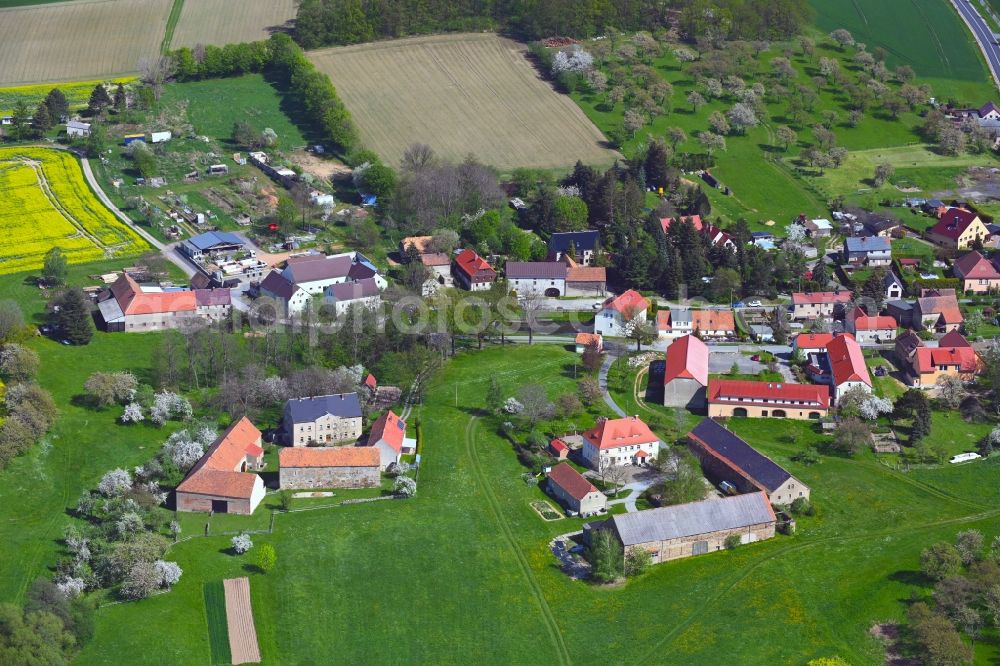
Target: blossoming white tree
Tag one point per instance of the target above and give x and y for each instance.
(115, 483)
(169, 572)
(241, 543)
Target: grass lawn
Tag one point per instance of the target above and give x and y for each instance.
(214, 106)
(468, 559)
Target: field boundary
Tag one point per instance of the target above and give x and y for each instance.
(172, 19)
(243, 645)
(215, 614)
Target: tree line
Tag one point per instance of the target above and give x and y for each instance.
(328, 22)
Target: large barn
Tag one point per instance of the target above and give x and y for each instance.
(328, 467)
(221, 482)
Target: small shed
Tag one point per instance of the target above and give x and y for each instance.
(132, 138)
(77, 128)
(160, 137)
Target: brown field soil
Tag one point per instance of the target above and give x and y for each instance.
(82, 39)
(323, 168)
(222, 22)
(239, 619)
(460, 94)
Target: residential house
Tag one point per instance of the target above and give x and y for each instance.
(879, 329)
(726, 457)
(212, 245)
(696, 528)
(617, 311)
(958, 229)
(323, 419)
(986, 116)
(686, 373)
(818, 228)
(977, 274)
(578, 495)
(221, 481)
(388, 436)
(695, 221)
(584, 243)
(818, 304)
(906, 347)
(779, 400)
(809, 343)
(938, 313)
(867, 251)
(584, 340)
(953, 357)
(472, 271)
(555, 278)
(708, 323)
(439, 265)
(761, 333)
(716, 236)
(847, 366)
(291, 296)
(328, 467)
(128, 307)
(878, 226)
(621, 441)
(893, 286)
(75, 128)
(345, 295)
(314, 272)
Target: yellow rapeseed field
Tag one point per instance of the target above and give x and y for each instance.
(48, 203)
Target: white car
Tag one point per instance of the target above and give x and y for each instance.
(754, 304)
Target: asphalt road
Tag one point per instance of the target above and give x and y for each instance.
(984, 36)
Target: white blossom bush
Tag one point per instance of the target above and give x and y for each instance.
(170, 406)
(873, 406)
(141, 581)
(568, 191)
(184, 453)
(241, 543)
(70, 586)
(129, 524)
(575, 60)
(169, 572)
(994, 437)
(115, 483)
(513, 406)
(133, 413)
(404, 486)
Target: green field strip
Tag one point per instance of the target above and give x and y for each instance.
(218, 629)
(172, 19)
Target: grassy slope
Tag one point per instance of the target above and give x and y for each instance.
(466, 564)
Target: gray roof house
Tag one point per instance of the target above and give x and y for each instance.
(672, 532)
(323, 418)
(868, 250)
(211, 243)
(893, 287)
(315, 272)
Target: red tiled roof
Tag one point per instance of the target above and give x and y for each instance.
(472, 265)
(590, 338)
(687, 358)
(847, 362)
(665, 222)
(570, 480)
(628, 300)
(641, 454)
(863, 322)
(713, 320)
(558, 445)
(336, 456)
(217, 473)
(928, 359)
(389, 429)
(953, 339)
(820, 297)
(586, 274)
(813, 340)
(953, 222)
(133, 301)
(435, 259)
(974, 266)
(370, 381)
(614, 433)
(946, 306)
(663, 320)
(733, 391)
(909, 261)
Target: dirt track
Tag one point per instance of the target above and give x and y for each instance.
(239, 619)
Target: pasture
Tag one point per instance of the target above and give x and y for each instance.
(48, 203)
(81, 39)
(222, 22)
(473, 570)
(461, 94)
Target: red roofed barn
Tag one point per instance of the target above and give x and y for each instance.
(329, 467)
(220, 482)
(686, 374)
(575, 492)
(387, 436)
(727, 397)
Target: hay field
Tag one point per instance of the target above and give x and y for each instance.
(460, 94)
(222, 22)
(82, 39)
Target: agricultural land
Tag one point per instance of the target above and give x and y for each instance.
(220, 22)
(47, 204)
(81, 39)
(461, 94)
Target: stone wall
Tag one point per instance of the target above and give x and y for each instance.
(298, 478)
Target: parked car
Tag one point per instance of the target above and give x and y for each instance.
(727, 488)
(755, 357)
(754, 303)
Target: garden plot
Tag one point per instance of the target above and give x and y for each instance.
(239, 622)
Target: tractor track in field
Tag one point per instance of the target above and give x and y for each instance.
(648, 657)
(558, 642)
